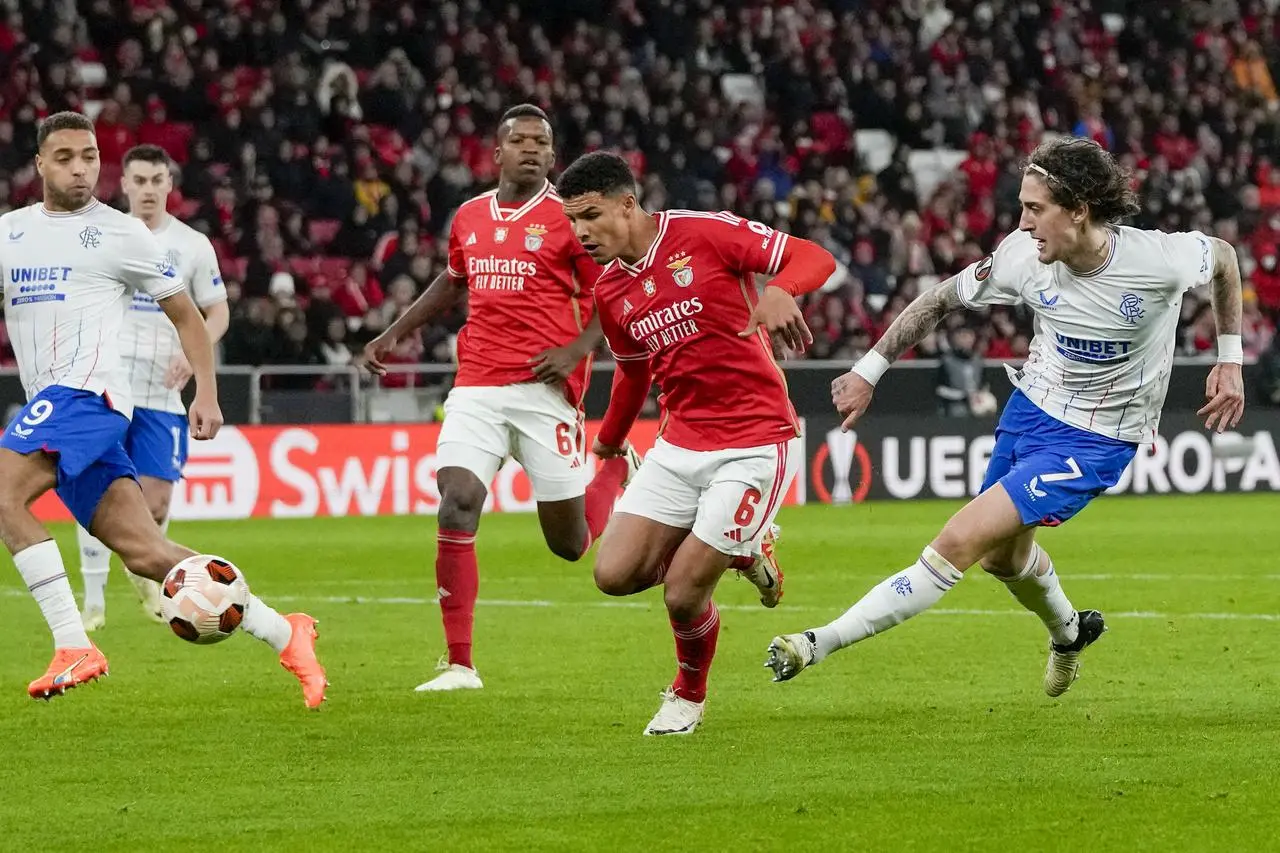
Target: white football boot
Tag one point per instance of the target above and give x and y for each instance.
(789, 654)
(93, 619)
(765, 573)
(633, 463)
(148, 595)
(453, 676)
(676, 716)
(1064, 661)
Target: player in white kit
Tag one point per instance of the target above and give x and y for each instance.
(69, 267)
(158, 370)
(1106, 300)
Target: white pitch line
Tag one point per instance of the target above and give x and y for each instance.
(744, 608)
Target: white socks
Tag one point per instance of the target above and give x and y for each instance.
(41, 568)
(266, 624)
(1036, 587)
(95, 563)
(893, 601)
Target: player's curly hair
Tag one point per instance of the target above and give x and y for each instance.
(65, 120)
(597, 172)
(1081, 172)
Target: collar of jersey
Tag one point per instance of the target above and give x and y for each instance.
(647, 260)
(66, 214)
(1114, 241)
(511, 216)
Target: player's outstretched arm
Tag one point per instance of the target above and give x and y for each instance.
(1224, 388)
(441, 295)
(204, 414)
(631, 381)
(555, 364)
(851, 392)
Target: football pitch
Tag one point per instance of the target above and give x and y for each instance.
(934, 737)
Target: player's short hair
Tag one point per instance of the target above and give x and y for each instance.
(65, 120)
(525, 111)
(153, 154)
(520, 111)
(597, 172)
(1081, 172)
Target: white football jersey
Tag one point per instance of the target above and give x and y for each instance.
(1104, 341)
(68, 281)
(149, 340)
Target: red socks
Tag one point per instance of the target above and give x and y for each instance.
(458, 579)
(601, 496)
(695, 647)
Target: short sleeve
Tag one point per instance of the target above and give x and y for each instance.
(1190, 256)
(744, 244)
(997, 279)
(207, 286)
(144, 265)
(457, 260)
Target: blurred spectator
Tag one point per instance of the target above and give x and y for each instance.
(962, 392)
(331, 141)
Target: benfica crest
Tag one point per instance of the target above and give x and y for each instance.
(533, 237)
(649, 287)
(500, 235)
(680, 269)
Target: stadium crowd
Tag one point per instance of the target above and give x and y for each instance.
(323, 144)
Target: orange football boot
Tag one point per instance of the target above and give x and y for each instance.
(299, 657)
(70, 668)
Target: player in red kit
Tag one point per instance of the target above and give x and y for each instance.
(524, 358)
(678, 304)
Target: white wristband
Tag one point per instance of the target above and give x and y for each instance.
(871, 367)
(1230, 349)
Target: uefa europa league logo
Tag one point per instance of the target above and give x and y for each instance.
(840, 448)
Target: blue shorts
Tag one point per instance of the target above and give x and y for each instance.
(157, 444)
(1051, 469)
(84, 435)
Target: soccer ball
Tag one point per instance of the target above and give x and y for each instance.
(203, 599)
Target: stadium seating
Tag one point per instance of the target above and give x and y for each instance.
(891, 132)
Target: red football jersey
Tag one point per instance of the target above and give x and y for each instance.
(682, 306)
(529, 288)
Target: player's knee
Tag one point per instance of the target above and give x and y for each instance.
(999, 564)
(461, 505)
(613, 576)
(956, 547)
(564, 548)
(158, 506)
(684, 603)
(147, 559)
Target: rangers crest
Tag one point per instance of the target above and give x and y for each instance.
(649, 286)
(533, 237)
(680, 269)
(500, 235)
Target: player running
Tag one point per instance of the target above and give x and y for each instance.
(157, 438)
(71, 265)
(678, 304)
(524, 360)
(1106, 300)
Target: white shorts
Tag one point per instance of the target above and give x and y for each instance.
(726, 497)
(530, 422)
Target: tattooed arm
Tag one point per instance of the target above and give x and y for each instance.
(851, 392)
(1226, 288)
(1224, 388)
(919, 318)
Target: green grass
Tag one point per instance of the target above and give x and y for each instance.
(935, 737)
